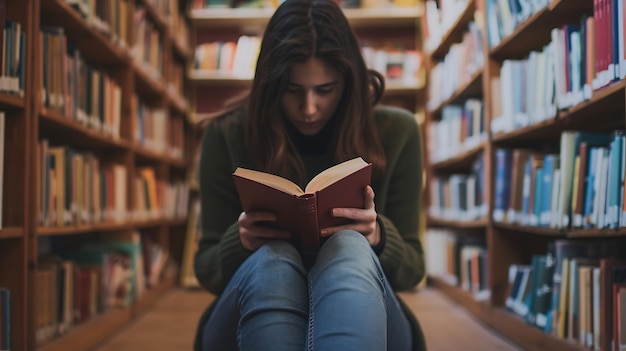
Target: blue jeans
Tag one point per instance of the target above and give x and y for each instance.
(343, 303)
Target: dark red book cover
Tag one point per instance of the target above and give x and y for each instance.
(305, 213)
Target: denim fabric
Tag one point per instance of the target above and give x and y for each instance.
(343, 303)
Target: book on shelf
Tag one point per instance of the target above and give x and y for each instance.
(5, 319)
(304, 212)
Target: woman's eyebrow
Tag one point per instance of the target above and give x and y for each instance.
(323, 85)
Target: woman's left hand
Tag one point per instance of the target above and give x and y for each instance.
(364, 219)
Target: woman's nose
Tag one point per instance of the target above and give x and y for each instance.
(310, 104)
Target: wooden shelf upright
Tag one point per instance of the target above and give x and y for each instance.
(507, 243)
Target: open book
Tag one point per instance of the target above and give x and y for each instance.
(305, 212)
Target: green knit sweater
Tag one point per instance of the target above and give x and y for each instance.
(397, 199)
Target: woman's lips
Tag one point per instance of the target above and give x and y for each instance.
(309, 125)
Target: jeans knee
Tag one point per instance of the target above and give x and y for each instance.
(276, 263)
(346, 256)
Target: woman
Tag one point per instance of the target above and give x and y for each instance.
(312, 105)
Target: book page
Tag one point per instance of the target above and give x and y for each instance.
(334, 173)
(270, 180)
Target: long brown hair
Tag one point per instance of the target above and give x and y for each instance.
(299, 30)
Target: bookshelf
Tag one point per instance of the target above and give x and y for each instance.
(513, 241)
(372, 26)
(49, 99)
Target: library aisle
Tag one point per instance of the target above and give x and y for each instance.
(171, 324)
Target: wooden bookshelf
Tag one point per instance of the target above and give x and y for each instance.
(468, 225)
(11, 233)
(534, 33)
(88, 335)
(228, 17)
(604, 105)
(455, 33)
(56, 125)
(11, 101)
(98, 48)
(515, 228)
(472, 88)
(508, 243)
(29, 120)
(460, 162)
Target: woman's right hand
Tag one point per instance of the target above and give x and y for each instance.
(253, 234)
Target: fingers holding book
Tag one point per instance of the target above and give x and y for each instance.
(363, 220)
(255, 232)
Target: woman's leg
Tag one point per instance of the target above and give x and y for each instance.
(264, 306)
(352, 307)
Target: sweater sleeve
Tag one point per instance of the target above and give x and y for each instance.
(402, 258)
(220, 252)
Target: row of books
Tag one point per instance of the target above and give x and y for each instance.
(457, 68)
(460, 260)
(110, 17)
(79, 187)
(76, 89)
(459, 197)
(460, 128)
(582, 186)
(440, 17)
(237, 59)
(504, 16)
(75, 284)
(156, 130)
(398, 65)
(155, 198)
(576, 291)
(524, 93)
(148, 44)
(13, 57)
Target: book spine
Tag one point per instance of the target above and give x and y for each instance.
(307, 218)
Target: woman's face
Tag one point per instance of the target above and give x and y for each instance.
(312, 95)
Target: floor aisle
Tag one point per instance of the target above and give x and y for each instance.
(170, 325)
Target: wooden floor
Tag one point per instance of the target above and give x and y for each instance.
(171, 325)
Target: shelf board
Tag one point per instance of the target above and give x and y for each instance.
(600, 109)
(597, 113)
(59, 127)
(460, 162)
(479, 308)
(176, 222)
(95, 46)
(504, 322)
(11, 232)
(371, 17)
(526, 229)
(596, 233)
(180, 48)
(534, 33)
(155, 15)
(397, 89)
(527, 336)
(473, 224)
(83, 229)
(147, 85)
(217, 78)
(151, 296)
(473, 88)
(177, 101)
(11, 101)
(147, 155)
(86, 336)
(455, 33)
